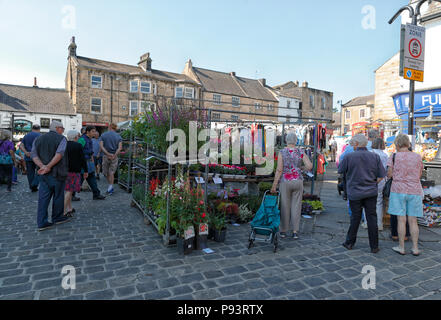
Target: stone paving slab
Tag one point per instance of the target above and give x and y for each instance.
(117, 256)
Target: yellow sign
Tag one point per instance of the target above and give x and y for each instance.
(412, 74)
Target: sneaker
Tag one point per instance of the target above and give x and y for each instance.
(295, 236)
(62, 220)
(110, 192)
(46, 226)
(75, 198)
(100, 197)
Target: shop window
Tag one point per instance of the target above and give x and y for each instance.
(45, 123)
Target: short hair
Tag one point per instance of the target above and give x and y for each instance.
(352, 142)
(83, 130)
(361, 140)
(72, 134)
(291, 138)
(55, 124)
(36, 127)
(90, 128)
(373, 134)
(113, 126)
(378, 144)
(401, 141)
(6, 135)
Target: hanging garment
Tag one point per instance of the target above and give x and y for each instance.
(321, 164)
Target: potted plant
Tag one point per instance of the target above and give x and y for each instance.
(218, 229)
(200, 219)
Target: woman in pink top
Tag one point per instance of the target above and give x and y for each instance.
(406, 196)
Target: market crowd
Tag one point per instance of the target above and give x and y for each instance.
(57, 167)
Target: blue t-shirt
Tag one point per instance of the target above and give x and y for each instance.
(111, 140)
(28, 141)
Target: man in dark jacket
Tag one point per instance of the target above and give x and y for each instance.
(48, 154)
(31, 167)
(363, 171)
(86, 142)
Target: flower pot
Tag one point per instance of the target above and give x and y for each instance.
(201, 236)
(219, 235)
(185, 246)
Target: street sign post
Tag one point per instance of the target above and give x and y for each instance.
(414, 44)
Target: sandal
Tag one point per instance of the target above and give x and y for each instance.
(416, 254)
(69, 214)
(398, 250)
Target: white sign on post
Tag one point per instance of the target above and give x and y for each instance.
(414, 44)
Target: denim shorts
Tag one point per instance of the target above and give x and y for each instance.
(401, 204)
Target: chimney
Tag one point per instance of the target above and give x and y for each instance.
(233, 74)
(305, 84)
(263, 82)
(72, 48)
(35, 82)
(145, 62)
(297, 83)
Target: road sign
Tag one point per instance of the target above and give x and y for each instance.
(413, 57)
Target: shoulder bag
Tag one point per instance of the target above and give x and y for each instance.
(388, 185)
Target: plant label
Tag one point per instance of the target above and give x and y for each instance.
(189, 233)
(203, 229)
(199, 180)
(217, 180)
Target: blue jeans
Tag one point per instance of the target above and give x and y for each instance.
(33, 177)
(91, 180)
(50, 188)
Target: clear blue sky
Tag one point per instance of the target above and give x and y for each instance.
(320, 41)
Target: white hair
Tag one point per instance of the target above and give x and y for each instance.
(54, 125)
(373, 134)
(360, 140)
(72, 134)
(291, 138)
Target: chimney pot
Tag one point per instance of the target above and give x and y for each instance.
(297, 83)
(305, 84)
(145, 62)
(262, 82)
(73, 48)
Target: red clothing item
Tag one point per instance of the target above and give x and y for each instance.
(321, 164)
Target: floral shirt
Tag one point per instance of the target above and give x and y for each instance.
(292, 160)
(406, 173)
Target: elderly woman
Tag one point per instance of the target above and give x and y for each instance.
(406, 197)
(7, 157)
(377, 147)
(289, 173)
(77, 162)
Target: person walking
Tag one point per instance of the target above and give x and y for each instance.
(31, 167)
(111, 146)
(86, 143)
(77, 162)
(97, 154)
(406, 196)
(363, 170)
(333, 148)
(372, 135)
(289, 174)
(48, 154)
(377, 147)
(7, 158)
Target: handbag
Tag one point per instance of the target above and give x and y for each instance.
(388, 185)
(5, 158)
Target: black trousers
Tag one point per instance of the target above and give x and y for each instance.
(370, 208)
(394, 226)
(6, 174)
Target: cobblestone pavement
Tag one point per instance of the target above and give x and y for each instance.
(117, 256)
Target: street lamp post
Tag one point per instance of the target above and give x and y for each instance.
(413, 14)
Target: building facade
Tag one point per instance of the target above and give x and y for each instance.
(34, 105)
(230, 93)
(105, 92)
(355, 111)
(289, 107)
(316, 103)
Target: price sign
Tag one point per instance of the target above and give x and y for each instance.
(189, 233)
(203, 229)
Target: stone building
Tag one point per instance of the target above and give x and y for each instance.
(357, 110)
(229, 92)
(105, 92)
(316, 103)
